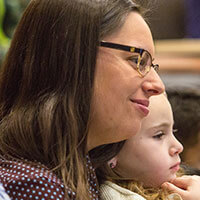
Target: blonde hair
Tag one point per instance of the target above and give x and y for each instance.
(105, 173)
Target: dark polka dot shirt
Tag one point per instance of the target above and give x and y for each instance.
(23, 181)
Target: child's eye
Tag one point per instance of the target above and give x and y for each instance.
(175, 130)
(159, 135)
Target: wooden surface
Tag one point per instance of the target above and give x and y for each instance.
(178, 55)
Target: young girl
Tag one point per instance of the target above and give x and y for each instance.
(146, 161)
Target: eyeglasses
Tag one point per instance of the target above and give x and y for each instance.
(142, 62)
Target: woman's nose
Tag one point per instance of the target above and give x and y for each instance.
(152, 84)
(176, 147)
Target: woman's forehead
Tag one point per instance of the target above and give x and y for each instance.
(134, 32)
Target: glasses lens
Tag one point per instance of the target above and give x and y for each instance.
(145, 63)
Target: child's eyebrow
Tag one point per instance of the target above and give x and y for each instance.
(162, 125)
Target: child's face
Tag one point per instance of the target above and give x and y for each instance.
(152, 155)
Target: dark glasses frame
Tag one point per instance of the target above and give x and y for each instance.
(132, 50)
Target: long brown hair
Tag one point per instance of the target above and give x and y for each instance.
(46, 83)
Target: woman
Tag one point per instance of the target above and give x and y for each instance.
(66, 87)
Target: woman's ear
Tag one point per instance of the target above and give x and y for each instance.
(113, 162)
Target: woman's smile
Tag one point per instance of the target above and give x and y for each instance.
(142, 105)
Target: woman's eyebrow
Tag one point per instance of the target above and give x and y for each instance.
(128, 54)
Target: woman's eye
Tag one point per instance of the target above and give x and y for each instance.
(134, 60)
(159, 135)
(143, 62)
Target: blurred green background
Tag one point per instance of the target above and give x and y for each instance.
(10, 13)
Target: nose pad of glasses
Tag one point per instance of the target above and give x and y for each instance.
(145, 70)
(156, 67)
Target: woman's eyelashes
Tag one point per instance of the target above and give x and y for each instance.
(133, 60)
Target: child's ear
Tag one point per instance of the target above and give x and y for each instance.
(112, 163)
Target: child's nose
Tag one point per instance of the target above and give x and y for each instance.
(176, 148)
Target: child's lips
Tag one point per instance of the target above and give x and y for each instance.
(175, 167)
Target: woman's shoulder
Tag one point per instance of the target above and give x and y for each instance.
(112, 191)
(23, 180)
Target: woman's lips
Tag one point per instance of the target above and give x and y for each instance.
(142, 105)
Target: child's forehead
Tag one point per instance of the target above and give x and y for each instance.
(159, 104)
(160, 112)
(159, 100)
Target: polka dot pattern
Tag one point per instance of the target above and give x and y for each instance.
(93, 190)
(23, 181)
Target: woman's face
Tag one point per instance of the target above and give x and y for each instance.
(121, 95)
